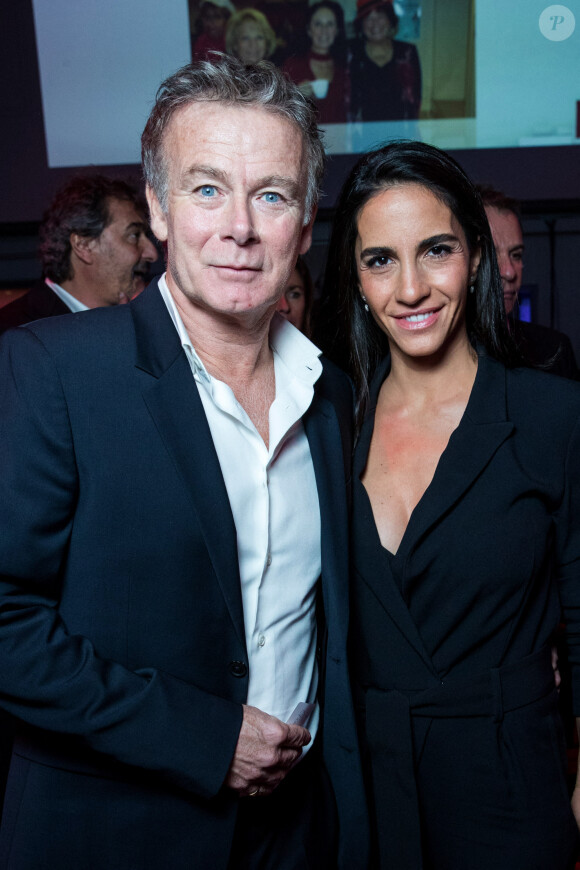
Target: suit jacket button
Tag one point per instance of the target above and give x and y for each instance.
(238, 669)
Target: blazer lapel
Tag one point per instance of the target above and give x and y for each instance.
(323, 433)
(482, 430)
(41, 302)
(173, 401)
(370, 562)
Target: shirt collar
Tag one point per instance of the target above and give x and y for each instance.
(298, 353)
(69, 300)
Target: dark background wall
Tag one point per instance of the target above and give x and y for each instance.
(546, 180)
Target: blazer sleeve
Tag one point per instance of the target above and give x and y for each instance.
(49, 678)
(568, 558)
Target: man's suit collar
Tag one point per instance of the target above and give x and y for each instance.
(158, 344)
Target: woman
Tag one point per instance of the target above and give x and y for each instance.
(320, 72)
(385, 72)
(296, 303)
(249, 36)
(209, 35)
(465, 529)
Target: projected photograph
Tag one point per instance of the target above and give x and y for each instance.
(360, 61)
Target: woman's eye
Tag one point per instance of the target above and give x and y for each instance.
(272, 197)
(439, 250)
(208, 190)
(376, 262)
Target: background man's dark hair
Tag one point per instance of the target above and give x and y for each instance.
(495, 198)
(81, 206)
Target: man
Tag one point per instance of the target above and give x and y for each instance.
(539, 345)
(173, 528)
(94, 251)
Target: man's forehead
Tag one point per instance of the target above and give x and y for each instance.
(505, 226)
(124, 211)
(211, 123)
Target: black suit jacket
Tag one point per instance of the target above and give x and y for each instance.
(122, 645)
(39, 302)
(546, 348)
(450, 643)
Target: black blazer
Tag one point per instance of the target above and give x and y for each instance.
(122, 645)
(541, 346)
(39, 302)
(453, 685)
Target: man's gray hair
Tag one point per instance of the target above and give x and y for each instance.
(226, 80)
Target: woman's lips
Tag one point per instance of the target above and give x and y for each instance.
(417, 320)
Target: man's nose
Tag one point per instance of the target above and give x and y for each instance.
(506, 268)
(238, 221)
(148, 250)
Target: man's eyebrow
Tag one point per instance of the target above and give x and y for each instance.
(136, 226)
(202, 169)
(289, 184)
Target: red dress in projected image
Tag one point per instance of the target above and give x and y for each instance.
(332, 109)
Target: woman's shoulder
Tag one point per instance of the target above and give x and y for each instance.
(404, 50)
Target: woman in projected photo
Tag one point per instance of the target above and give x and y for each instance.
(249, 37)
(466, 532)
(385, 72)
(210, 31)
(320, 72)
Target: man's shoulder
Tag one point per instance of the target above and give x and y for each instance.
(38, 302)
(546, 347)
(84, 340)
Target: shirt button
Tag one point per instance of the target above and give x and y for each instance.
(269, 559)
(261, 640)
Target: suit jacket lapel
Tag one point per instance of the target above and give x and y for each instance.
(482, 430)
(369, 560)
(41, 302)
(173, 401)
(326, 448)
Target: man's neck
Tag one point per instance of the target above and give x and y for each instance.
(235, 350)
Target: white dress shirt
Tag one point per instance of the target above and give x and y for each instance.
(69, 300)
(274, 501)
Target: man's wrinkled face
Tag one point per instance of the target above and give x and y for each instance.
(235, 216)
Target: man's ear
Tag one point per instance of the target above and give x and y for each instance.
(83, 247)
(306, 237)
(158, 219)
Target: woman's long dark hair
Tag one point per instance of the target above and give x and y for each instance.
(351, 337)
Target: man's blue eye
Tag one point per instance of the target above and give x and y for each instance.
(208, 190)
(272, 197)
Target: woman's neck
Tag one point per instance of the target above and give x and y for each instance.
(424, 380)
(320, 55)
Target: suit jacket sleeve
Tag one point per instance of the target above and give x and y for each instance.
(568, 558)
(49, 678)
